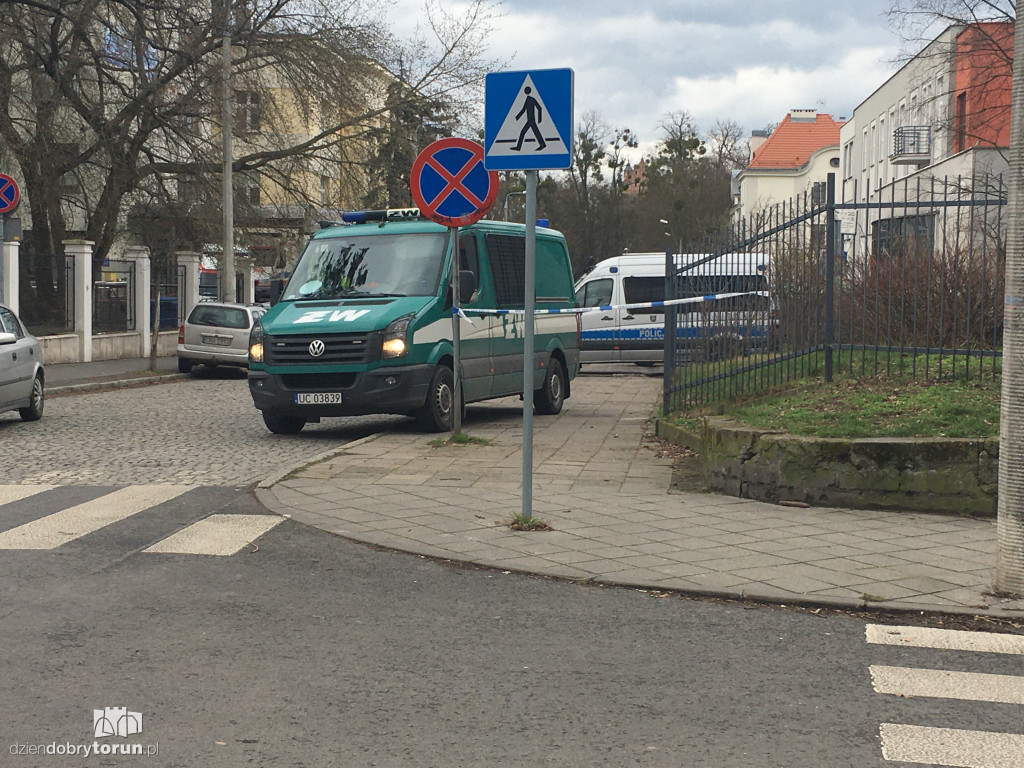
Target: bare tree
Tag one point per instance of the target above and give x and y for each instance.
(588, 156)
(109, 102)
(729, 148)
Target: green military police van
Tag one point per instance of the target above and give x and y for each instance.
(364, 324)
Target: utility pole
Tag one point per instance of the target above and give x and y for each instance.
(227, 264)
(1010, 520)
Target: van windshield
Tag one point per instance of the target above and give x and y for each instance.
(378, 265)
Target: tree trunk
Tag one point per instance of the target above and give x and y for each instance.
(1010, 523)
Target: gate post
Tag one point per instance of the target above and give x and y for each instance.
(244, 267)
(139, 257)
(668, 368)
(9, 269)
(81, 252)
(830, 270)
(190, 293)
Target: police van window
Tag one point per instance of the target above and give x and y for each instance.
(640, 290)
(596, 293)
(508, 269)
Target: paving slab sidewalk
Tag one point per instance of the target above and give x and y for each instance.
(602, 484)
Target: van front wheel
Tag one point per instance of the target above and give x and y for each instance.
(549, 398)
(436, 414)
(281, 423)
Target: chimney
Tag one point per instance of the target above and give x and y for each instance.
(757, 138)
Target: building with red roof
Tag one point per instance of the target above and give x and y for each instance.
(798, 154)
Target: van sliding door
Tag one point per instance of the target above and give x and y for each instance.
(643, 328)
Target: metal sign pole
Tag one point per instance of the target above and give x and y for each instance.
(456, 334)
(529, 358)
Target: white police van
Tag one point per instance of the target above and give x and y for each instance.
(707, 329)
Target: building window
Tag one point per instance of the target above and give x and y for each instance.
(247, 188)
(961, 122)
(247, 112)
(898, 237)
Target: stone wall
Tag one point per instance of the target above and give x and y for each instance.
(107, 346)
(958, 476)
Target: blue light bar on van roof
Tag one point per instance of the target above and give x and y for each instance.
(388, 214)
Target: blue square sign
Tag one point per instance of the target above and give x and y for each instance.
(528, 120)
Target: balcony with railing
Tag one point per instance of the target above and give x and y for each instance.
(911, 145)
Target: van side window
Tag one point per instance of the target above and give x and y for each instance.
(596, 293)
(508, 268)
(468, 258)
(640, 290)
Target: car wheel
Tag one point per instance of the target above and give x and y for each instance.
(282, 423)
(184, 366)
(549, 398)
(34, 412)
(437, 414)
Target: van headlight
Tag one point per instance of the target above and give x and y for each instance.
(256, 343)
(396, 342)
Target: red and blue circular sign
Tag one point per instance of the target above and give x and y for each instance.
(10, 195)
(450, 184)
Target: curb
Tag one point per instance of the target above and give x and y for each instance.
(269, 482)
(94, 386)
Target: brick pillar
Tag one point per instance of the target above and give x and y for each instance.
(81, 252)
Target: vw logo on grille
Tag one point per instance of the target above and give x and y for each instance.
(316, 348)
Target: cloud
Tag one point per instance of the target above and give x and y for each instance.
(725, 60)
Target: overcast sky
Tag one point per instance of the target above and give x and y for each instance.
(745, 60)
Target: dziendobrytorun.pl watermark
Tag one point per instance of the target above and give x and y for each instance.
(85, 750)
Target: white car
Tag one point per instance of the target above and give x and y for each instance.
(21, 368)
(216, 333)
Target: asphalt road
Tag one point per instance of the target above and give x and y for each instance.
(308, 650)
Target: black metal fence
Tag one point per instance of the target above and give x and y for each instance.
(171, 289)
(46, 294)
(910, 284)
(113, 298)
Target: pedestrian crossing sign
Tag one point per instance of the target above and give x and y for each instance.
(528, 120)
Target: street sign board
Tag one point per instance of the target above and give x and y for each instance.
(449, 183)
(528, 120)
(10, 195)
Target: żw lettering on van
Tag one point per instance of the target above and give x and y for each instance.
(334, 316)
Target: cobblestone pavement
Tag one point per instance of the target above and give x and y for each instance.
(201, 431)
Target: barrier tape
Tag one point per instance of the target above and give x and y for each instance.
(580, 310)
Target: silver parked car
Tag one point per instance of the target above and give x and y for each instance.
(21, 368)
(216, 333)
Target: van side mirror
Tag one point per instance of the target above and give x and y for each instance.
(7, 338)
(467, 285)
(276, 289)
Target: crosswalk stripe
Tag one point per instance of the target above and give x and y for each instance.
(217, 535)
(951, 746)
(74, 522)
(945, 639)
(944, 684)
(12, 493)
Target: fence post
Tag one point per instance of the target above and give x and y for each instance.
(81, 252)
(10, 287)
(830, 270)
(139, 257)
(669, 362)
(190, 294)
(244, 266)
